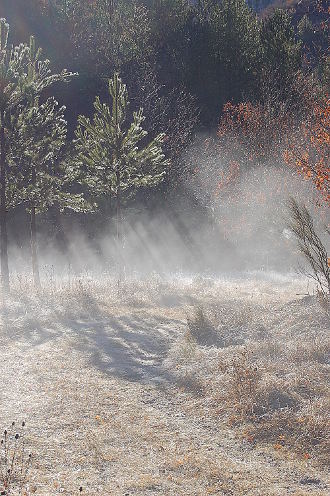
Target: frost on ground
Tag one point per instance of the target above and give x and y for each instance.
(123, 397)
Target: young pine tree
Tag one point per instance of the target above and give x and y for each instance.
(112, 152)
(23, 76)
(39, 168)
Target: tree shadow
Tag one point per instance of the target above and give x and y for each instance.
(131, 346)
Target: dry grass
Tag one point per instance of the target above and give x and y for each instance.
(270, 381)
(121, 398)
(201, 328)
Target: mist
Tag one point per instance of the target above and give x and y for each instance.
(164, 248)
(240, 228)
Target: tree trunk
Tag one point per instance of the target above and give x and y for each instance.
(33, 237)
(3, 212)
(119, 232)
(118, 210)
(34, 249)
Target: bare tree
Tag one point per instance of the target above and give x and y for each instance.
(310, 245)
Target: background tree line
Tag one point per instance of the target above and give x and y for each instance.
(182, 62)
(214, 51)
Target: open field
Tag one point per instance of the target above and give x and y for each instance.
(123, 397)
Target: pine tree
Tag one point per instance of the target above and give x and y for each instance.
(39, 166)
(23, 76)
(282, 52)
(112, 152)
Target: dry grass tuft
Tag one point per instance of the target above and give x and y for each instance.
(201, 328)
(273, 384)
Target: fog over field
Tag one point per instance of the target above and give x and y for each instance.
(244, 228)
(164, 248)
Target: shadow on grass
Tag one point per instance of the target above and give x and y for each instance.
(131, 346)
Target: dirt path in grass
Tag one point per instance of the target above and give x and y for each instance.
(103, 413)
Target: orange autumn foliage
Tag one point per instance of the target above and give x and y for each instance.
(308, 150)
(253, 132)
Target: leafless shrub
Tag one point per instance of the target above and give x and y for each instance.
(282, 411)
(15, 462)
(252, 392)
(244, 381)
(310, 246)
